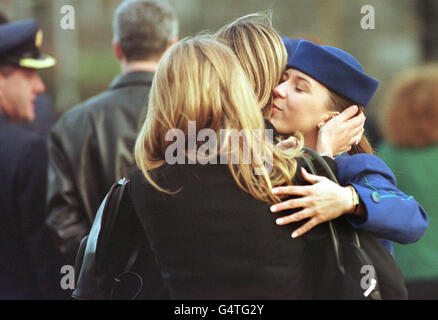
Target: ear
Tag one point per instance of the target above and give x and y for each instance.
(117, 50)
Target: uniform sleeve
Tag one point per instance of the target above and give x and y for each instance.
(391, 214)
(44, 258)
(67, 217)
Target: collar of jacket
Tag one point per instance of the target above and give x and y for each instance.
(269, 125)
(139, 78)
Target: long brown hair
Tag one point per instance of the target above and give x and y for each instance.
(337, 102)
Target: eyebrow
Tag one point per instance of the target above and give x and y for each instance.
(301, 78)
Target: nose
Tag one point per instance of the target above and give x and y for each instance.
(38, 84)
(280, 90)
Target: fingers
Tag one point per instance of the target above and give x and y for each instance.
(348, 118)
(356, 138)
(289, 204)
(310, 177)
(356, 131)
(349, 112)
(305, 227)
(303, 214)
(291, 190)
(356, 123)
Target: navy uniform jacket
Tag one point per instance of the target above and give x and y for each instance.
(392, 215)
(29, 265)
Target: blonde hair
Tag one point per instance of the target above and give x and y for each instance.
(201, 80)
(261, 53)
(410, 112)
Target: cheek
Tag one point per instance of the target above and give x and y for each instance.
(286, 121)
(297, 108)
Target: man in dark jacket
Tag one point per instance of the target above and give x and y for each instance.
(91, 146)
(29, 262)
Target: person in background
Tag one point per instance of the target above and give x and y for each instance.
(29, 262)
(91, 146)
(409, 123)
(44, 114)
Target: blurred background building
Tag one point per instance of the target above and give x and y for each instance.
(404, 35)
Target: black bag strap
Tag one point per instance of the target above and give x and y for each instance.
(127, 271)
(88, 261)
(135, 252)
(333, 232)
(375, 294)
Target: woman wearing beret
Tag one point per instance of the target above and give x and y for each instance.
(318, 83)
(264, 65)
(325, 201)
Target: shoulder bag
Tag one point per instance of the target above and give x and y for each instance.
(107, 255)
(353, 264)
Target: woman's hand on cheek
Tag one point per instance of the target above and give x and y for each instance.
(338, 134)
(322, 201)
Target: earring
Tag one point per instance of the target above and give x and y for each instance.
(320, 125)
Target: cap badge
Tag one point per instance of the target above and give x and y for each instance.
(39, 38)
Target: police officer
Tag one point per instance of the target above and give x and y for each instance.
(44, 113)
(29, 261)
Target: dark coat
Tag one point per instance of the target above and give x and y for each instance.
(90, 148)
(29, 263)
(213, 241)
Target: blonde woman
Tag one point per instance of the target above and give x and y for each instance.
(206, 217)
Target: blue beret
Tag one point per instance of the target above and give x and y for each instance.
(336, 69)
(20, 44)
(291, 46)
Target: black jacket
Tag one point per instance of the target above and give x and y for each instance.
(213, 241)
(90, 148)
(29, 262)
